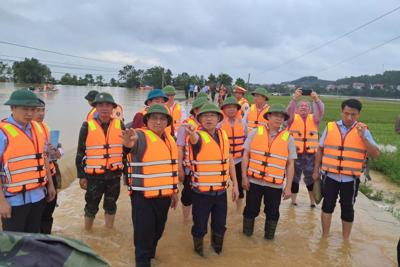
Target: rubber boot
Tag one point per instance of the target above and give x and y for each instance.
(248, 226)
(217, 240)
(88, 223)
(45, 227)
(198, 246)
(270, 228)
(109, 220)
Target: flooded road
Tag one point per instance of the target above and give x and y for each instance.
(297, 241)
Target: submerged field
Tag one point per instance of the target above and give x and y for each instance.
(380, 117)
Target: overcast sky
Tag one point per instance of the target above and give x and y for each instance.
(202, 37)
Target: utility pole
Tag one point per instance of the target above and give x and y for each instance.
(248, 81)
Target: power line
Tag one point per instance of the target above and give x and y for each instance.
(332, 40)
(56, 66)
(63, 63)
(56, 52)
(357, 55)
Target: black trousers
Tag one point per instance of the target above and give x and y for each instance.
(205, 205)
(149, 216)
(272, 201)
(347, 192)
(47, 216)
(238, 170)
(25, 218)
(186, 195)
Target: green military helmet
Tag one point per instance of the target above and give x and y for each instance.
(104, 98)
(210, 108)
(157, 108)
(261, 91)
(23, 97)
(91, 95)
(202, 94)
(277, 108)
(231, 101)
(169, 90)
(198, 103)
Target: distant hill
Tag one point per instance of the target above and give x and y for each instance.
(388, 78)
(309, 81)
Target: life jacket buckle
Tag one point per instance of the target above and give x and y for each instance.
(340, 157)
(106, 156)
(262, 173)
(38, 156)
(256, 122)
(267, 154)
(340, 168)
(173, 161)
(224, 172)
(40, 168)
(341, 148)
(264, 163)
(107, 146)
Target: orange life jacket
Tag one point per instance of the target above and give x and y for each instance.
(103, 151)
(210, 165)
(46, 131)
(256, 118)
(155, 173)
(175, 112)
(343, 155)
(267, 159)
(305, 134)
(236, 135)
(118, 113)
(22, 163)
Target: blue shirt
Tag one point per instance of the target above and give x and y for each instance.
(343, 130)
(31, 196)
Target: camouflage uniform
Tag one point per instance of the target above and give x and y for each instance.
(304, 164)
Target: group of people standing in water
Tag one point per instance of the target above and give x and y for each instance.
(259, 150)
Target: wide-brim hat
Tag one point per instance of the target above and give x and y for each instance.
(239, 89)
(169, 90)
(91, 95)
(231, 101)
(260, 91)
(104, 98)
(157, 108)
(155, 93)
(210, 108)
(23, 97)
(198, 103)
(277, 108)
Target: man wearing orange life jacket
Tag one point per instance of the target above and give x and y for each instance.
(23, 167)
(343, 148)
(212, 166)
(268, 161)
(236, 129)
(54, 153)
(118, 112)
(155, 96)
(183, 156)
(152, 180)
(242, 101)
(175, 109)
(99, 160)
(303, 125)
(255, 114)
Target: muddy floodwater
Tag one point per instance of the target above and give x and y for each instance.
(297, 241)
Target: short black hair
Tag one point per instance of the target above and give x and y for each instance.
(352, 103)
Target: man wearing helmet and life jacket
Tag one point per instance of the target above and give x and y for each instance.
(268, 160)
(118, 111)
(155, 96)
(182, 142)
(303, 124)
(212, 166)
(342, 152)
(24, 168)
(236, 129)
(99, 160)
(175, 109)
(255, 114)
(152, 180)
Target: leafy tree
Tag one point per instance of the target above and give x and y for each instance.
(3, 71)
(211, 79)
(89, 79)
(30, 71)
(225, 79)
(181, 81)
(99, 80)
(113, 82)
(240, 82)
(67, 79)
(157, 77)
(130, 77)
